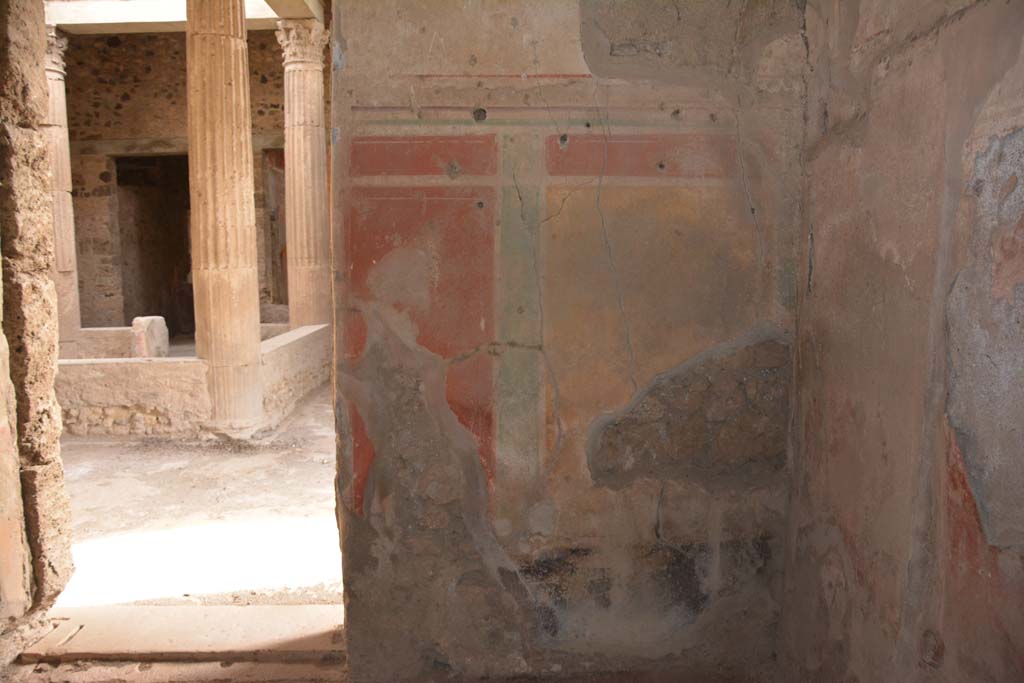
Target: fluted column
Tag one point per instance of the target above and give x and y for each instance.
(305, 168)
(65, 271)
(223, 212)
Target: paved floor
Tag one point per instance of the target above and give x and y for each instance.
(178, 523)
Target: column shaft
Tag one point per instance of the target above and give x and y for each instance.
(305, 151)
(223, 211)
(65, 273)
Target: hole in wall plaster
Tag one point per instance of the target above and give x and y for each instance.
(933, 649)
(563, 141)
(479, 114)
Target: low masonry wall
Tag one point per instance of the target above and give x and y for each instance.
(138, 396)
(270, 330)
(105, 342)
(294, 364)
(169, 396)
(116, 342)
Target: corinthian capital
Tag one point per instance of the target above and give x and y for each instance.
(56, 44)
(302, 40)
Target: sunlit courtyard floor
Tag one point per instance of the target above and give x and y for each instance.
(180, 523)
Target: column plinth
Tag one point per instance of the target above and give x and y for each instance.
(65, 270)
(305, 154)
(223, 226)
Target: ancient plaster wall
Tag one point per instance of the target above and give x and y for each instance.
(566, 286)
(31, 414)
(126, 96)
(904, 559)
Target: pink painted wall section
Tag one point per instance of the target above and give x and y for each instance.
(454, 228)
(985, 588)
(475, 155)
(691, 155)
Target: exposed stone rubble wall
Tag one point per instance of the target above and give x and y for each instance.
(126, 96)
(31, 417)
(553, 262)
(132, 86)
(904, 559)
(98, 237)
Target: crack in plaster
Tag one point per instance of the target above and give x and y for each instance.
(540, 88)
(734, 57)
(556, 392)
(745, 182)
(494, 348)
(616, 279)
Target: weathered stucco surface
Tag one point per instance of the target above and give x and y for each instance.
(986, 326)
(907, 448)
(31, 413)
(537, 239)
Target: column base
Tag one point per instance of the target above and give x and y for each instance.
(236, 400)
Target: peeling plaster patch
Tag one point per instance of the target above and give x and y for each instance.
(985, 317)
(720, 414)
(337, 55)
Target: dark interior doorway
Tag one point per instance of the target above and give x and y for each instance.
(153, 214)
(273, 165)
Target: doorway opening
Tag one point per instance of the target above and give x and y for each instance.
(194, 536)
(153, 221)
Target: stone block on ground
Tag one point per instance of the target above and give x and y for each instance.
(150, 338)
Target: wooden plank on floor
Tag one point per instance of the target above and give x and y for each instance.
(266, 633)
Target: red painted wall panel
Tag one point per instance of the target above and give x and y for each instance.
(432, 155)
(453, 228)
